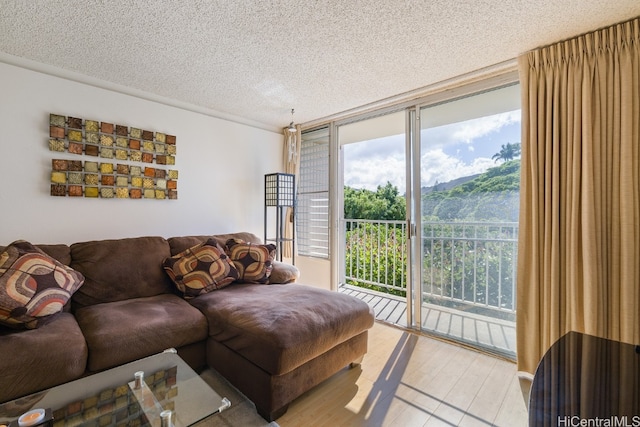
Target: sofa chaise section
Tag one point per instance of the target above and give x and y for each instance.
(274, 342)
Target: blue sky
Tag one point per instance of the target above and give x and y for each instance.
(448, 152)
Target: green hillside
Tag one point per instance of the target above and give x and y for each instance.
(492, 196)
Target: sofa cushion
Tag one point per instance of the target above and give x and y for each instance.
(33, 285)
(201, 269)
(283, 273)
(280, 327)
(54, 353)
(280, 273)
(60, 252)
(182, 243)
(123, 331)
(117, 270)
(254, 262)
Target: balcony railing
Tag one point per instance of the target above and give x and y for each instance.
(464, 263)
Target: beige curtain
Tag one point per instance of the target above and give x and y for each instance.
(291, 161)
(579, 249)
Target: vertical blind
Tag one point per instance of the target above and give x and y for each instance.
(312, 210)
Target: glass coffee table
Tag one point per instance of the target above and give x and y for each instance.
(140, 393)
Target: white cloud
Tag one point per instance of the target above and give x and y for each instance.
(373, 171)
(436, 165)
(473, 129)
(373, 163)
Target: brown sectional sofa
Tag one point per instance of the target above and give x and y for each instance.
(273, 342)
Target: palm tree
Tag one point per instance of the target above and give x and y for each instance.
(508, 152)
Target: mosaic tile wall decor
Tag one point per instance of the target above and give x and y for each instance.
(100, 177)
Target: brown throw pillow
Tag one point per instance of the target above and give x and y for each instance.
(254, 262)
(33, 286)
(200, 269)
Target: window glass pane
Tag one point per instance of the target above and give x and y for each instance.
(374, 217)
(470, 179)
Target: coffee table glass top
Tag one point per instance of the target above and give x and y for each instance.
(114, 397)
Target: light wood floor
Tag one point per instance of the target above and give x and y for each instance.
(412, 380)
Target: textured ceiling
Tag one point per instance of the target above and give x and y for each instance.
(258, 59)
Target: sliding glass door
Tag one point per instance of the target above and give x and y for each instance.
(373, 223)
(429, 198)
(470, 176)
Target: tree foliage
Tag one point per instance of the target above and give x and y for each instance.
(384, 203)
(469, 251)
(376, 253)
(507, 152)
(467, 263)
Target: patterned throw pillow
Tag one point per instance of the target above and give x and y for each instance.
(254, 262)
(200, 269)
(33, 285)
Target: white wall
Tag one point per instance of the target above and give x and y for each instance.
(221, 166)
(314, 271)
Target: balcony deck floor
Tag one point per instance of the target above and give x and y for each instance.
(484, 332)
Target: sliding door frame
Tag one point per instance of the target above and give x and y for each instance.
(412, 110)
(414, 219)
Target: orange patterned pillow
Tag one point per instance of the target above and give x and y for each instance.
(200, 269)
(254, 262)
(33, 285)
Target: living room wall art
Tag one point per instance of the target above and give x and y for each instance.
(151, 178)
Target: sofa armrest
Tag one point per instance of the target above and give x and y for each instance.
(283, 273)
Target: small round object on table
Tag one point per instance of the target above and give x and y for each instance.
(31, 418)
